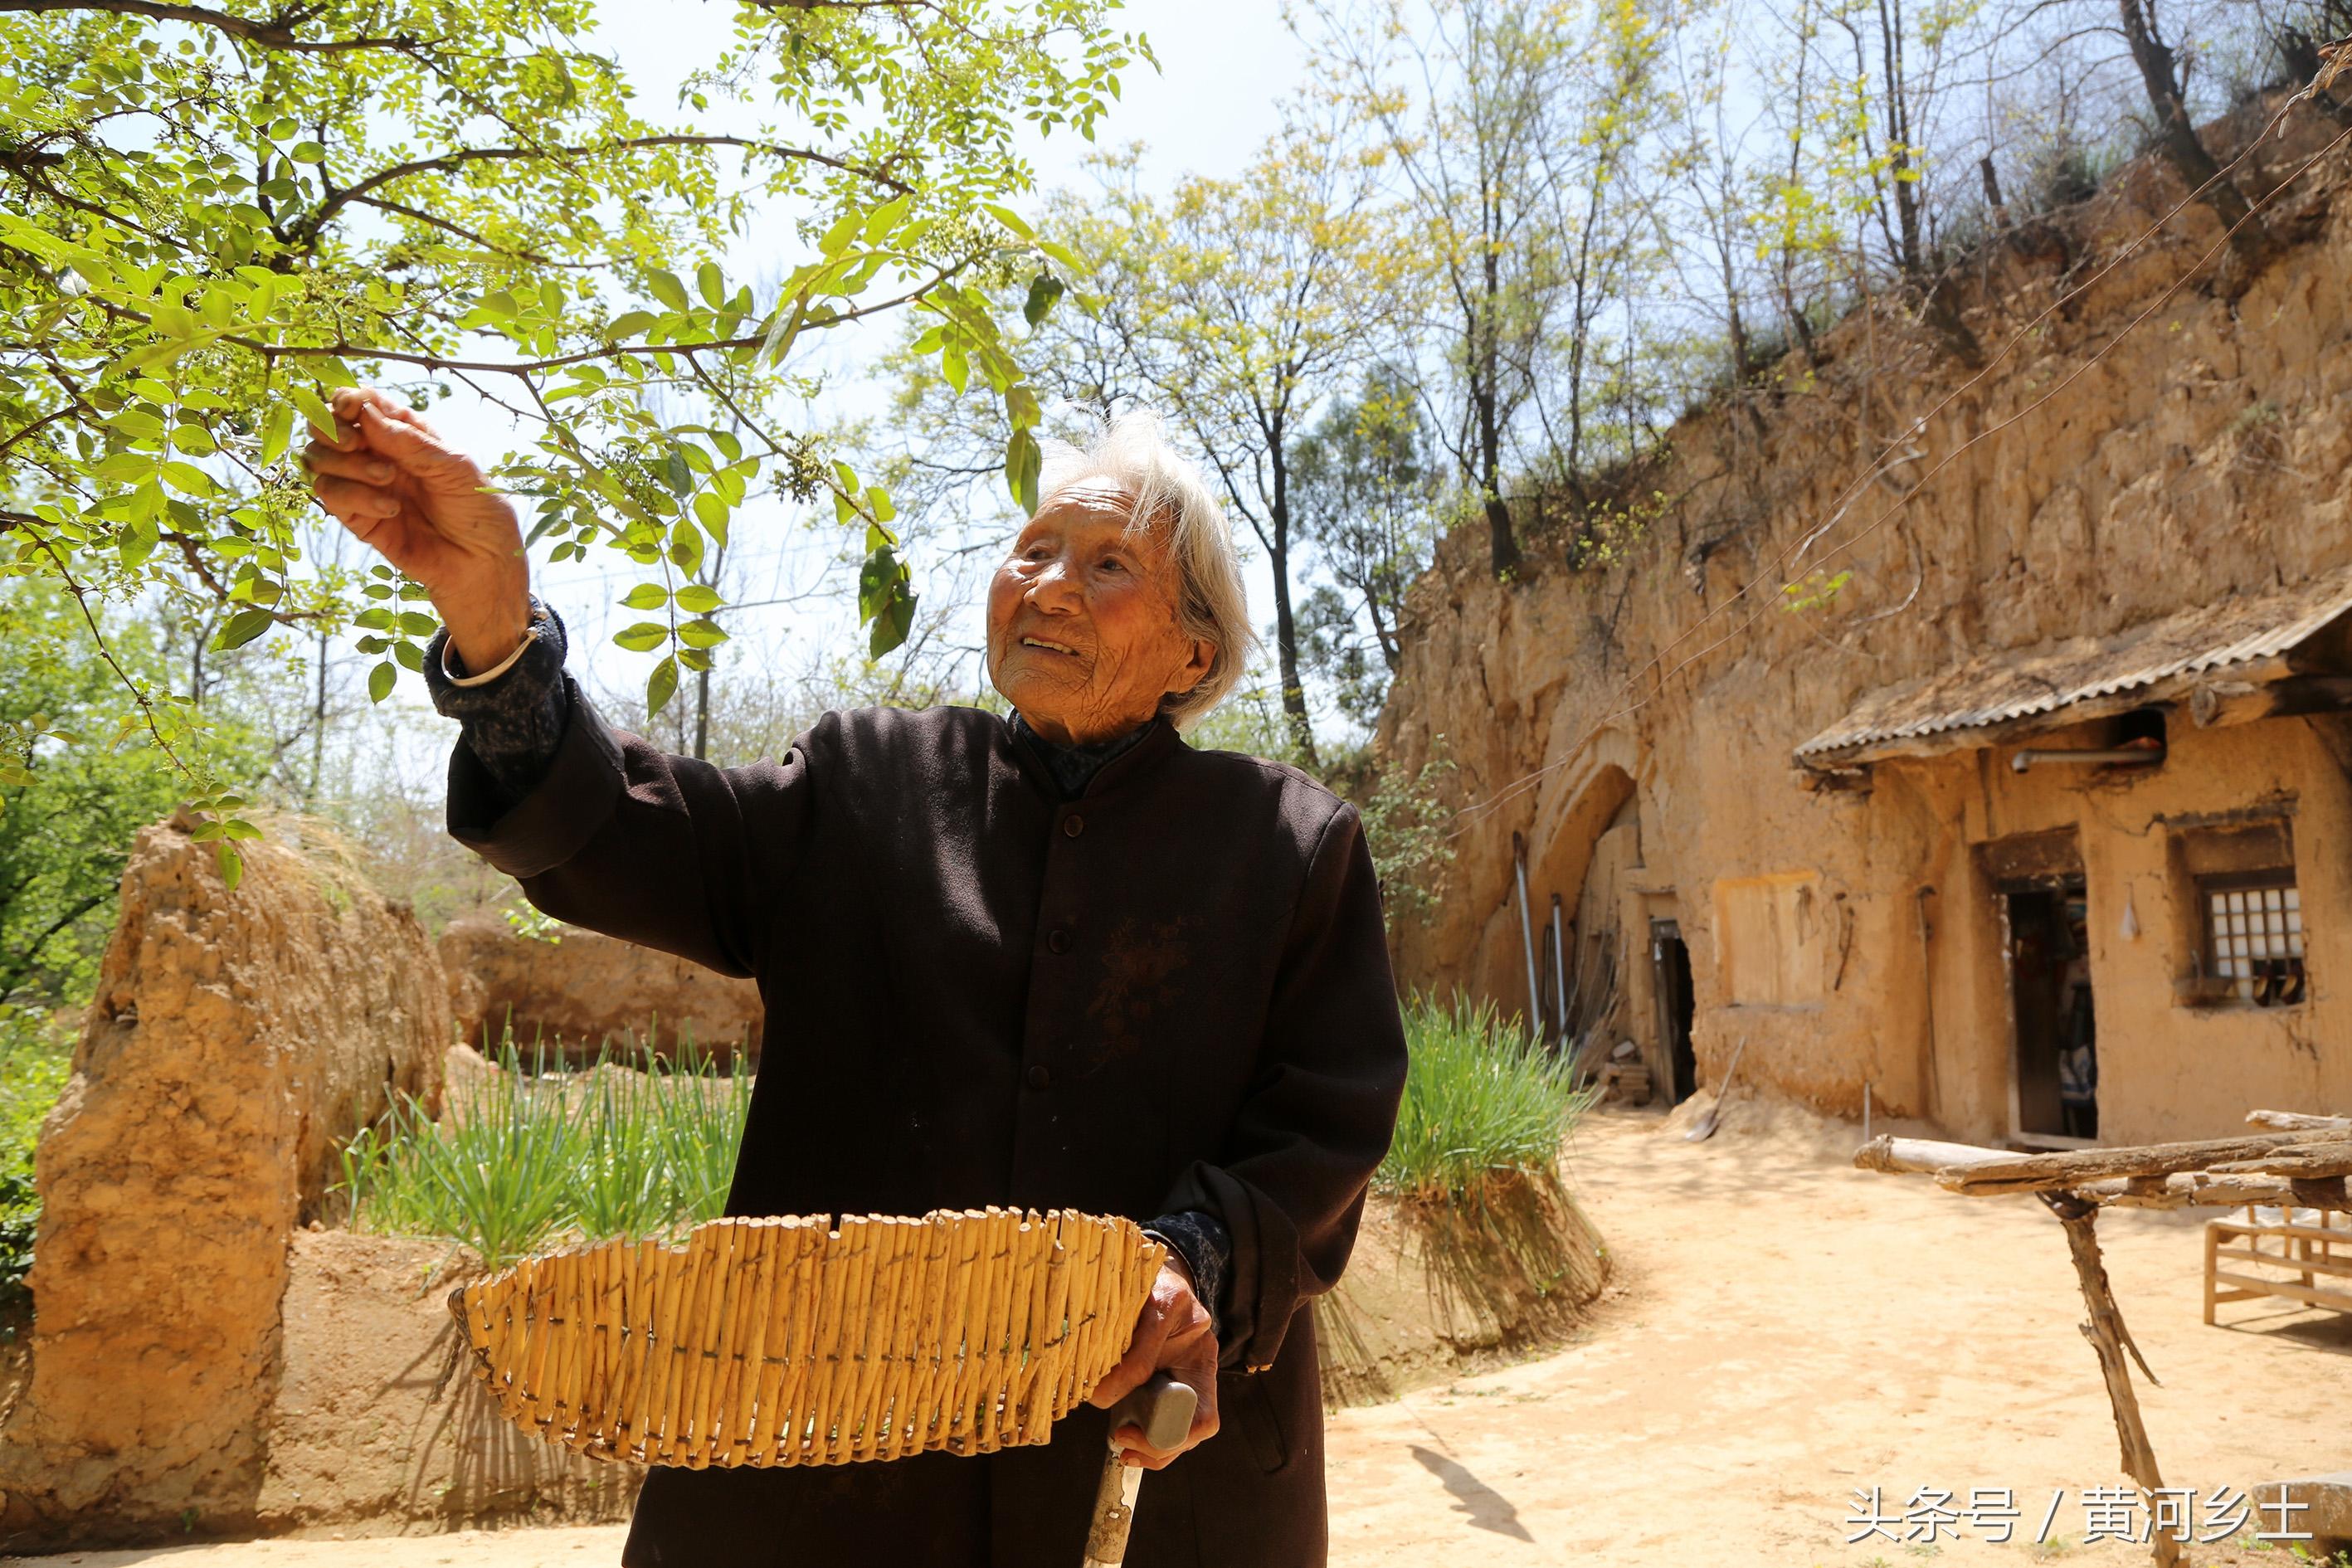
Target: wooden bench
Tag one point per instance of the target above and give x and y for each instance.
(2315, 1255)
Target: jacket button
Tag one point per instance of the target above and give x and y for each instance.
(1074, 825)
(1057, 940)
(1039, 1078)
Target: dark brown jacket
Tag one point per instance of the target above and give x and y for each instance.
(1170, 993)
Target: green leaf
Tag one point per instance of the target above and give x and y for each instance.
(416, 624)
(314, 409)
(232, 865)
(277, 431)
(710, 511)
(1012, 221)
(188, 480)
(306, 152)
(699, 598)
(660, 687)
(1044, 290)
(891, 627)
(642, 638)
(838, 237)
(646, 596)
(701, 633)
(685, 549)
(887, 217)
(242, 628)
(1023, 462)
(628, 325)
(713, 285)
(137, 542)
(668, 289)
(410, 656)
(380, 680)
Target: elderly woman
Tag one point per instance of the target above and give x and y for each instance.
(1059, 959)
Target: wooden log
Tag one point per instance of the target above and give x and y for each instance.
(2196, 1189)
(1921, 1155)
(2298, 1121)
(2110, 1339)
(2301, 1160)
(2053, 1173)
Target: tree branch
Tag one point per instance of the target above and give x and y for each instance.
(448, 162)
(270, 35)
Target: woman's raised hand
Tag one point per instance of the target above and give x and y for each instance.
(428, 509)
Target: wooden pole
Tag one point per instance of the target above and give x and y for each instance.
(2052, 1172)
(1922, 1155)
(2111, 1340)
(2298, 1121)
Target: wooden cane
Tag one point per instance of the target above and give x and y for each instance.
(1162, 1409)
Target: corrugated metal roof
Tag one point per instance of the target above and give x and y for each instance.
(1996, 688)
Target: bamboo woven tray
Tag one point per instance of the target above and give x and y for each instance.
(787, 1341)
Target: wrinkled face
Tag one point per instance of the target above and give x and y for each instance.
(1083, 636)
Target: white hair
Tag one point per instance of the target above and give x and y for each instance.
(1133, 452)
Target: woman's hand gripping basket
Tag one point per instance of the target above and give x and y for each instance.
(790, 1341)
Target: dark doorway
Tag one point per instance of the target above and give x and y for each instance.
(2057, 1063)
(1670, 961)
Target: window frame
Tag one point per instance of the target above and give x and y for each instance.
(2279, 879)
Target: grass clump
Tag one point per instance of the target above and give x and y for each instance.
(1483, 1103)
(521, 1161)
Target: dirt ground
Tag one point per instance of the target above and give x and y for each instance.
(1782, 1332)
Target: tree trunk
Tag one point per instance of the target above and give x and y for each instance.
(1487, 371)
(1286, 653)
(1285, 624)
(2250, 242)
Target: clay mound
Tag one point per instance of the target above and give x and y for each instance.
(581, 992)
(235, 1038)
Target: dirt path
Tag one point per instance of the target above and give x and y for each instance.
(1782, 1330)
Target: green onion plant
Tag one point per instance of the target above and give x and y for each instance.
(1483, 1102)
(521, 1161)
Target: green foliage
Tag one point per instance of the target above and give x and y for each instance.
(1408, 827)
(211, 221)
(1482, 1101)
(72, 795)
(1813, 590)
(521, 1159)
(1368, 500)
(534, 925)
(35, 1062)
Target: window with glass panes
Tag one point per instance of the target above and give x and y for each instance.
(2254, 936)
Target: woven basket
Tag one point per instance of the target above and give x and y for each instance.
(787, 1341)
